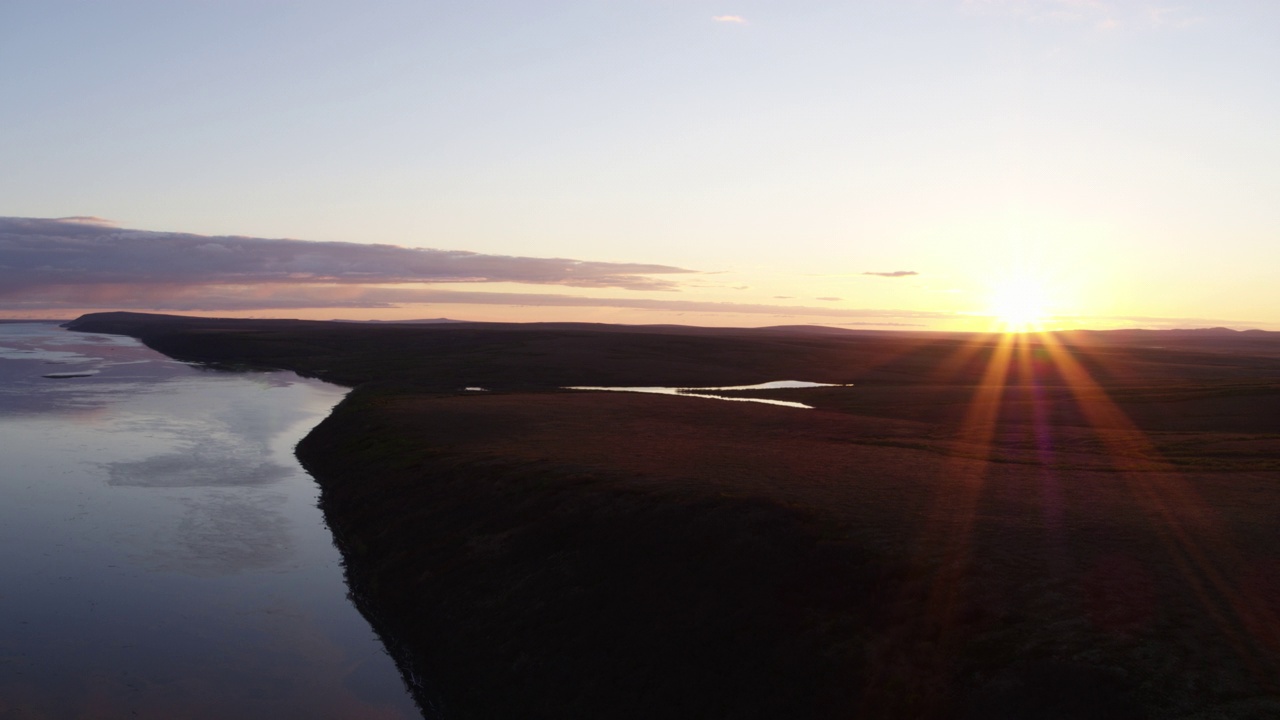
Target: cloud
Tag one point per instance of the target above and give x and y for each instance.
(831, 299)
(69, 265)
(1163, 323)
(290, 297)
(86, 220)
(894, 274)
(40, 253)
(729, 19)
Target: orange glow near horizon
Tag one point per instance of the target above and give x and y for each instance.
(1019, 304)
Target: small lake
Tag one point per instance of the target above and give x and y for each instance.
(161, 550)
(705, 392)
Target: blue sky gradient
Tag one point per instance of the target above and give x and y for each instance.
(1121, 155)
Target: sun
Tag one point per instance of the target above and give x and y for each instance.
(1019, 304)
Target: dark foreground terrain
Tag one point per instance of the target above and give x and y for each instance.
(1073, 526)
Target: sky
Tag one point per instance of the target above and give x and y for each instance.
(878, 164)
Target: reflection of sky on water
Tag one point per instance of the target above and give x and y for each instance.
(161, 550)
(198, 468)
(223, 533)
(121, 366)
(703, 392)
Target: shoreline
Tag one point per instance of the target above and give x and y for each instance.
(527, 586)
(543, 554)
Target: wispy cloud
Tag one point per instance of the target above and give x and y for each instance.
(84, 220)
(231, 298)
(1165, 323)
(79, 264)
(39, 253)
(729, 19)
(894, 274)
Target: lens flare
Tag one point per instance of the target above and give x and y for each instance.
(1019, 305)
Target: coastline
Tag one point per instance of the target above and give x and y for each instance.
(550, 590)
(543, 554)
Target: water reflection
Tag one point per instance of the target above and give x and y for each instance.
(96, 370)
(194, 469)
(702, 392)
(224, 534)
(161, 550)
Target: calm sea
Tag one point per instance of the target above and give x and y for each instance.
(161, 553)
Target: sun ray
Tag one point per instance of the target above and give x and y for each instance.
(943, 546)
(1197, 545)
(1021, 366)
(1053, 502)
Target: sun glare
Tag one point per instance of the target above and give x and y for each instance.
(1019, 305)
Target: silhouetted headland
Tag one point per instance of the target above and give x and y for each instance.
(1079, 525)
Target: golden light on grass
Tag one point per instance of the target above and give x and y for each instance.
(1020, 363)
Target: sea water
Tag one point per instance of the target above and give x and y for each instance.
(161, 552)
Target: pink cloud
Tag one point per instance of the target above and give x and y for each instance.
(36, 253)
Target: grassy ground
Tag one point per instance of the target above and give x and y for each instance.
(926, 543)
